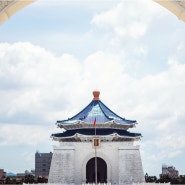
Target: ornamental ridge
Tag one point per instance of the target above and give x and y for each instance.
(96, 95)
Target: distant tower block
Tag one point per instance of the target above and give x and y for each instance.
(98, 133)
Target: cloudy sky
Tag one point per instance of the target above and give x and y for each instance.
(53, 54)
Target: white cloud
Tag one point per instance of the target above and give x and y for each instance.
(52, 88)
(127, 18)
(12, 135)
(30, 76)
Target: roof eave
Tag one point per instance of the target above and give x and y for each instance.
(90, 136)
(80, 124)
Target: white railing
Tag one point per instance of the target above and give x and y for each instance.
(96, 184)
(109, 183)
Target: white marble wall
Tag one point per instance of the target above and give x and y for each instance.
(130, 168)
(122, 158)
(62, 165)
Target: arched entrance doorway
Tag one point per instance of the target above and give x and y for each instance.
(101, 170)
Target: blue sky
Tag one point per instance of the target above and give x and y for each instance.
(53, 54)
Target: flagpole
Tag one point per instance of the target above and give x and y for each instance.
(95, 154)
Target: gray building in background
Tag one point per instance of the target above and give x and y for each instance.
(169, 171)
(42, 164)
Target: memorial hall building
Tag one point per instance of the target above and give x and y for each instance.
(96, 146)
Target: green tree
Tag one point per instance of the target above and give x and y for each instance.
(29, 179)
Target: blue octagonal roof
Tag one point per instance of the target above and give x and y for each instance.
(99, 111)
